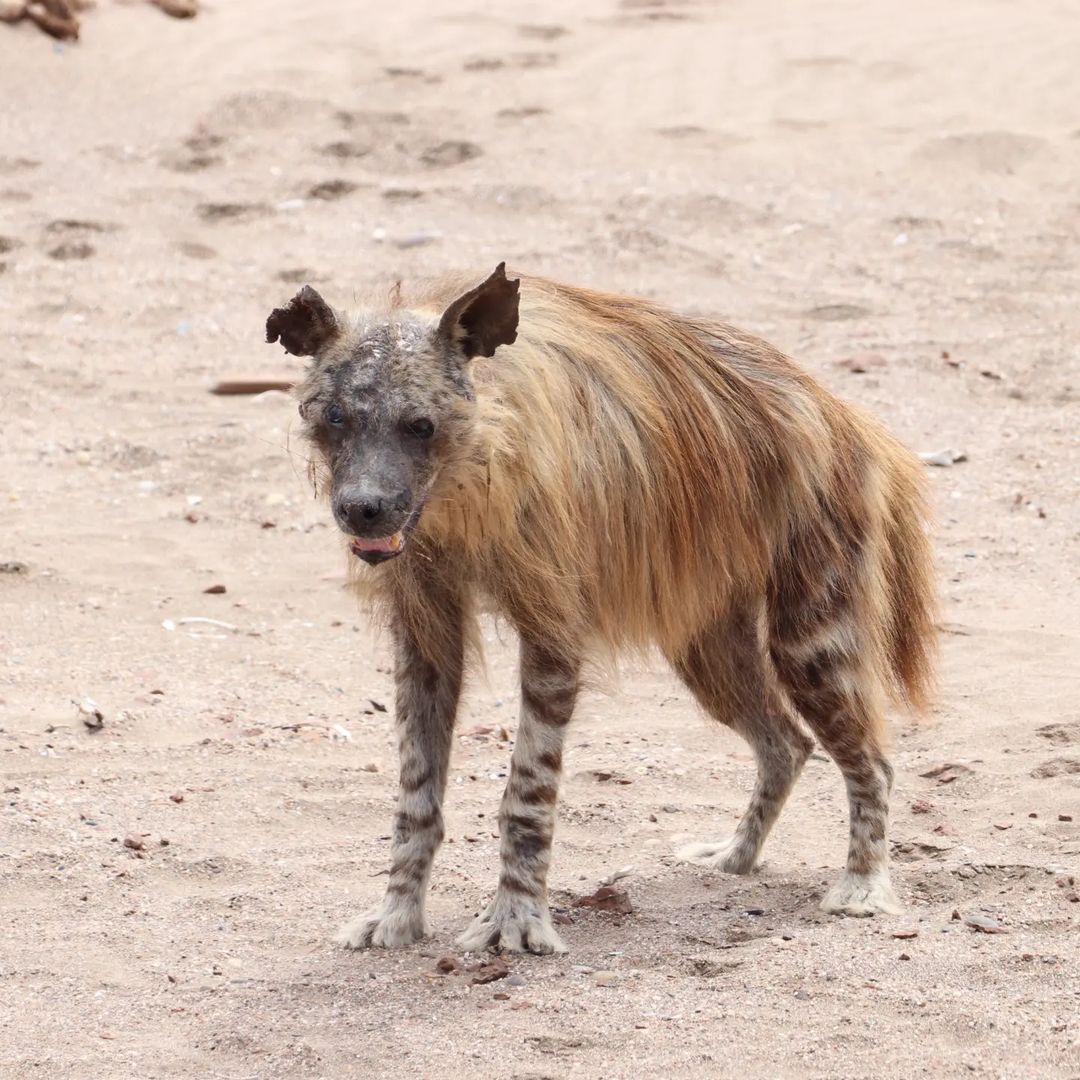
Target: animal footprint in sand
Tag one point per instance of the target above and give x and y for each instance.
(451, 152)
(332, 189)
(73, 237)
(236, 212)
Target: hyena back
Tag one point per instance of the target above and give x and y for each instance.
(613, 476)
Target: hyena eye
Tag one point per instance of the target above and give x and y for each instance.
(422, 428)
(334, 415)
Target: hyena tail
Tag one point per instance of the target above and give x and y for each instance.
(908, 571)
(851, 600)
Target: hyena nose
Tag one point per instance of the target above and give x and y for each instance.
(372, 513)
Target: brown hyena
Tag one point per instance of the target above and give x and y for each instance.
(609, 475)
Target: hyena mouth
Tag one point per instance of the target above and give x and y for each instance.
(377, 551)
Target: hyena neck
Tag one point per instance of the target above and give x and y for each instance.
(467, 509)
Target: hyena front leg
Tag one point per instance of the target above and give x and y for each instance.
(427, 698)
(518, 917)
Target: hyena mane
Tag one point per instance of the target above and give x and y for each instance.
(631, 474)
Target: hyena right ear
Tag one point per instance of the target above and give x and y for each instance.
(306, 326)
(483, 318)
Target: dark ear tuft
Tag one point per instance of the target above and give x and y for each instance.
(485, 317)
(306, 326)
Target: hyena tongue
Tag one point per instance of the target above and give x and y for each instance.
(388, 545)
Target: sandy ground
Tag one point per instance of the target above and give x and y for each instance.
(894, 183)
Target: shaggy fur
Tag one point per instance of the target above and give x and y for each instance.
(611, 476)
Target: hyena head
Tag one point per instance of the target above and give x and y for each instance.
(388, 401)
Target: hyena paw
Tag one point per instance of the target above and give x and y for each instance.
(384, 928)
(862, 894)
(520, 925)
(730, 856)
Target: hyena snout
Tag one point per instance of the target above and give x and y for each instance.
(372, 513)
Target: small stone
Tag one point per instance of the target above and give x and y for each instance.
(984, 924)
(371, 766)
(616, 875)
(1065, 817)
(489, 971)
(177, 797)
(515, 980)
(903, 956)
(446, 965)
(605, 978)
(500, 996)
(942, 459)
(92, 717)
(135, 843)
(215, 590)
(904, 934)
(615, 901)
(803, 995)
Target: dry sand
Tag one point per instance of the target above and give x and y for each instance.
(842, 177)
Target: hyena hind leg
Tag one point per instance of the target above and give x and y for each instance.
(839, 699)
(725, 669)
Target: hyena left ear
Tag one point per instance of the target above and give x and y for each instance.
(485, 317)
(306, 326)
